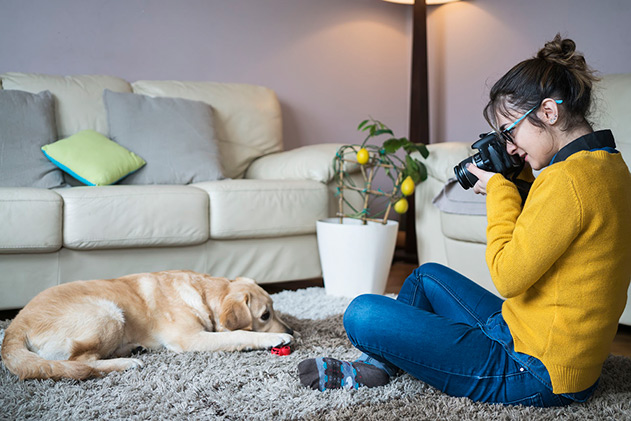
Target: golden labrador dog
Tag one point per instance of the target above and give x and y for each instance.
(71, 329)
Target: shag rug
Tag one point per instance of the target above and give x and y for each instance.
(259, 386)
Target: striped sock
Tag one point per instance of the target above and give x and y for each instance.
(328, 373)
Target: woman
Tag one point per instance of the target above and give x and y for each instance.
(562, 259)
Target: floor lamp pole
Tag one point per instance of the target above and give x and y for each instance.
(419, 111)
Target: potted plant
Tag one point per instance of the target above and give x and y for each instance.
(356, 247)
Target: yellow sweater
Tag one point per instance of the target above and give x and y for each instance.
(564, 262)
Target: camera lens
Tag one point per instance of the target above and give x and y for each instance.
(492, 156)
(464, 177)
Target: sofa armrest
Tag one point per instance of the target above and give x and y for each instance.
(443, 157)
(312, 162)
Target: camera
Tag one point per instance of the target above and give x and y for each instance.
(492, 156)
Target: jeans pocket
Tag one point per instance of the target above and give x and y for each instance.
(534, 400)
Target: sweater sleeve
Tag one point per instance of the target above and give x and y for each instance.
(522, 244)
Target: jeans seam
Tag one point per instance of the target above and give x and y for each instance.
(451, 293)
(525, 363)
(418, 282)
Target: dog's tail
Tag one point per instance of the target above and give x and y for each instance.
(26, 364)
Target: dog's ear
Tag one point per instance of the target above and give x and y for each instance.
(235, 312)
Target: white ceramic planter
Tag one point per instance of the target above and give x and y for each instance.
(355, 258)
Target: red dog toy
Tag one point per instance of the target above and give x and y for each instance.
(281, 350)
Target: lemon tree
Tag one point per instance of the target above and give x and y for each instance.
(393, 157)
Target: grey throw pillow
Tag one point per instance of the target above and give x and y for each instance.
(174, 136)
(27, 122)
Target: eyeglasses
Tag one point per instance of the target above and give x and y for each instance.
(507, 134)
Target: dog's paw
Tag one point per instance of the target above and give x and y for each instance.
(133, 363)
(271, 340)
(283, 339)
(115, 364)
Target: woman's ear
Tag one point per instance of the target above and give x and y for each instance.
(550, 110)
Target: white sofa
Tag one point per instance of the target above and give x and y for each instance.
(458, 240)
(258, 222)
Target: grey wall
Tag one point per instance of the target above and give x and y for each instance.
(331, 62)
(473, 43)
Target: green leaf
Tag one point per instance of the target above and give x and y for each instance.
(383, 131)
(411, 163)
(416, 177)
(414, 169)
(423, 150)
(362, 124)
(422, 173)
(417, 147)
(369, 127)
(393, 145)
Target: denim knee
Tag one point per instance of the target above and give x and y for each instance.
(432, 269)
(361, 317)
(357, 316)
(414, 288)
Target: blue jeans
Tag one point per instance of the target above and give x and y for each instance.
(435, 331)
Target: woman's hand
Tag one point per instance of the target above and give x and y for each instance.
(483, 178)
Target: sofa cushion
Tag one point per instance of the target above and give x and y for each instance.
(27, 122)
(31, 220)
(469, 228)
(92, 158)
(175, 137)
(264, 208)
(311, 162)
(454, 199)
(443, 157)
(79, 99)
(134, 216)
(248, 120)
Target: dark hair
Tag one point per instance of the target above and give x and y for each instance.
(558, 71)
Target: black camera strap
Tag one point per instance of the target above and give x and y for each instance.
(596, 140)
(523, 186)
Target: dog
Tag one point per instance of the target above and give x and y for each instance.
(71, 330)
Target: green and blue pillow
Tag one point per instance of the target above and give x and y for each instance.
(92, 158)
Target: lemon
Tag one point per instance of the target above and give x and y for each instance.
(401, 206)
(363, 156)
(407, 187)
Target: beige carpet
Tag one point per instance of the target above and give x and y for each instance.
(259, 386)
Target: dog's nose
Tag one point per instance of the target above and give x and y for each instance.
(290, 331)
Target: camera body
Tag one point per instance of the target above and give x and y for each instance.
(492, 156)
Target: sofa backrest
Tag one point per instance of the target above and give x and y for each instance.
(248, 122)
(78, 99)
(612, 102)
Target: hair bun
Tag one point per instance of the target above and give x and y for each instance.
(562, 51)
(557, 71)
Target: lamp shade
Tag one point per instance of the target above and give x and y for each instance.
(426, 1)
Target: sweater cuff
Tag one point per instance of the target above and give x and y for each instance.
(502, 196)
(496, 181)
